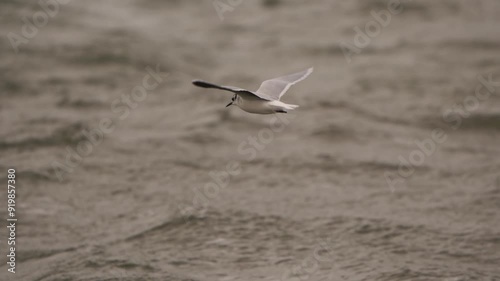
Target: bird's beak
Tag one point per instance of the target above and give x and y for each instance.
(231, 103)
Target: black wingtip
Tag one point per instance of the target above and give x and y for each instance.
(202, 84)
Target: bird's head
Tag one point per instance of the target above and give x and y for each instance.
(234, 101)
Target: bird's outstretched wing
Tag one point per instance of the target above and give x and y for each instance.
(204, 84)
(277, 87)
(245, 93)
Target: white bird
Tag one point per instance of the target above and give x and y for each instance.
(266, 100)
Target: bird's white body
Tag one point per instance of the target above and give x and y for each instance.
(263, 106)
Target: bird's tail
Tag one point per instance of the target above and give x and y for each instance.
(291, 106)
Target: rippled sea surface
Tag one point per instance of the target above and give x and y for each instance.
(389, 170)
